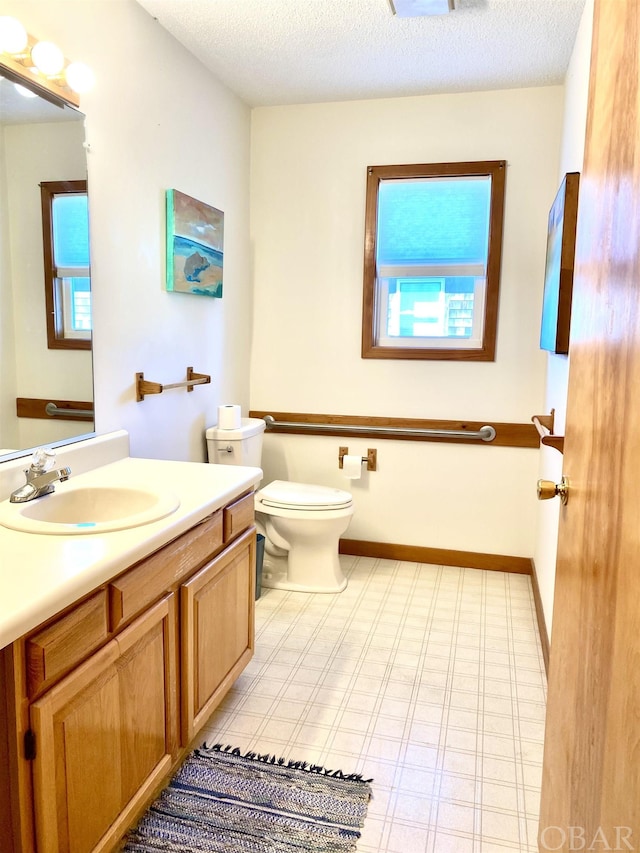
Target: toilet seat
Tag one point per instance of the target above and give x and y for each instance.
(282, 494)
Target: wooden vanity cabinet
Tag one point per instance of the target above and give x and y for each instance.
(102, 702)
(105, 736)
(217, 630)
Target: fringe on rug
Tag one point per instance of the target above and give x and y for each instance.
(266, 758)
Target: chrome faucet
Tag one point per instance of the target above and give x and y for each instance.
(40, 477)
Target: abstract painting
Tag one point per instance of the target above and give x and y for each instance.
(558, 275)
(195, 235)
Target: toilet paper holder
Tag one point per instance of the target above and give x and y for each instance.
(371, 458)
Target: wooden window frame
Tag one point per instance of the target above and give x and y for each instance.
(55, 328)
(495, 169)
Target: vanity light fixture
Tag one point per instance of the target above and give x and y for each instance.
(47, 58)
(13, 36)
(44, 63)
(79, 77)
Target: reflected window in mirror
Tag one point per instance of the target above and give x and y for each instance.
(65, 231)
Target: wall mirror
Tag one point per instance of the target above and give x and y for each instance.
(46, 392)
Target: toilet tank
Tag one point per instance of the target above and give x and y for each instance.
(241, 446)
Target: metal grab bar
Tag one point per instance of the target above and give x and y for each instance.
(485, 433)
(57, 412)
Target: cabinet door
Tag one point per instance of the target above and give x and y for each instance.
(105, 737)
(217, 630)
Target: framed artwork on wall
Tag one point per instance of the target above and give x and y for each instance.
(195, 238)
(558, 276)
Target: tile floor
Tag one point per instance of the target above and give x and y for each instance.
(427, 678)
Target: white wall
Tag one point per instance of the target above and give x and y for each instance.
(571, 159)
(35, 153)
(307, 227)
(156, 120)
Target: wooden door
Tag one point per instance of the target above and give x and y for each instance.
(105, 737)
(217, 630)
(591, 776)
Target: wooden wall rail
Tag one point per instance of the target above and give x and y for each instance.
(32, 407)
(544, 426)
(507, 434)
(144, 386)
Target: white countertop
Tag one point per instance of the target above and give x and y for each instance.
(42, 574)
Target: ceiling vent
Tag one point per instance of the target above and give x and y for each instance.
(420, 8)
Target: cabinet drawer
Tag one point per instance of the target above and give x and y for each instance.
(155, 575)
(53, 651)
(238, 516)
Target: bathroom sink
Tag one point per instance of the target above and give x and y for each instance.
(88, 509)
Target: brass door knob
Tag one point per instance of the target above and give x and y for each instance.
(548, 489)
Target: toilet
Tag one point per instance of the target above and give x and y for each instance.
(302, 523)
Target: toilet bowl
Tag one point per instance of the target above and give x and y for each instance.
(302, 523)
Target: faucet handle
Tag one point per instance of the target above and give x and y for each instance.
(43, 459)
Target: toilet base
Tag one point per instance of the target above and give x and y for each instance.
(275, 575)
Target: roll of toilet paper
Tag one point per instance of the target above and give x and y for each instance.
(229, 416)
(352, 466)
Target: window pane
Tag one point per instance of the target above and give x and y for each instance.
(430, 307)
(81, 304)
(435, 224)
(70, 230)
(74, 299)
(433, 220)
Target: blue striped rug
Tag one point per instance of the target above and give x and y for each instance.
(222, 801)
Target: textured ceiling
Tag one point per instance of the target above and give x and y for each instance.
(308, 51)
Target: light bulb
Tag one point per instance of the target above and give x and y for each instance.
(26, 93)
(47, 58)
(13, 36)
(79, 77)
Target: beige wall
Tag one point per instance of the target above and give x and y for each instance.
(572, 152)
(156, 119)
(307, 225)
